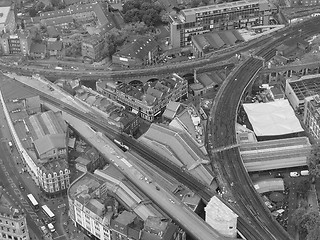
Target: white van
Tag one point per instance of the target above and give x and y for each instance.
(51, 227)
(304, 172)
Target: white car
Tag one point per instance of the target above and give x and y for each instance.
(294, 174)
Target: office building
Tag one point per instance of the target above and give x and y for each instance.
(149, 100)
(13, 222)
(219, 17)
(106, 206)
(297, 90)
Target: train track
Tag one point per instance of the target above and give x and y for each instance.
(256, 222)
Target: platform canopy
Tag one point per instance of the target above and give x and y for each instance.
(272, 118)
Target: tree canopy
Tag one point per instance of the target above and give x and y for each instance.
(307, 221)
(142, 11)
(314, 160)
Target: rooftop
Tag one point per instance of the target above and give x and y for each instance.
(4, 11)
(305, 86)
(138, 48)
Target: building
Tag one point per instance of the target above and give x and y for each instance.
(149, 100)
(297, 90)
(82, 12)
(16, 43)
(54, 47)
(7, 19)
(140, 51)
(311, 116)
(38, 50)
(221, 217)
(208, 42)
(106, 206)
(54, 177)
(218, 17)
(92, 47)
(13, 222)
(113, 111)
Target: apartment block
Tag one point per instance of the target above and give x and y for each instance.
(311, 117)
(149, 100)
(92, 47)
(224, 16)
(18, 43)
(13, 223)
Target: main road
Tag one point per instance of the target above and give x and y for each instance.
(221, 132)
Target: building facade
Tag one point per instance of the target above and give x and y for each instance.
(149, 100)
(311, 117)
(54, 178)
(13, 224)
(15, 44)
(224, 16)
(96, 207)
(92, 48)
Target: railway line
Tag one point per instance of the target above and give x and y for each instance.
(257, 222)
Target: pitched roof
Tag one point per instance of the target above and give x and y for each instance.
(138, 48)
(37, 48)
(58, 20)
(49, 142)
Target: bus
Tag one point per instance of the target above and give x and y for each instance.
(49, 214)
(33, 202)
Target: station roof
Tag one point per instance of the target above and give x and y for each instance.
(272, 118)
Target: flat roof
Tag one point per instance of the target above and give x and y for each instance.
(306, 86)
(221, 6)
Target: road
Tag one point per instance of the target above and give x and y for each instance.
(18, 184)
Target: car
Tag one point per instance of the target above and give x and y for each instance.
(44, 230)
(294, 174)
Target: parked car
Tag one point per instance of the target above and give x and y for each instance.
(294, 174)
(304, 172)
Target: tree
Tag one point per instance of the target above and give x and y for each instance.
(32, 12)
(303, 186)
(142, 11)
(314, 160)
(74, 50)
(314, 234)
(40, 6)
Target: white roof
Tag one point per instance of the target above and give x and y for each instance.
(4, 11)
(272, 118)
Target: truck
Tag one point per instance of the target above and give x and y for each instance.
(58, 68)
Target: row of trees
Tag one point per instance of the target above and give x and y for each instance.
(116, 37)
(305, 218)
(307, 221)
(142, 11)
